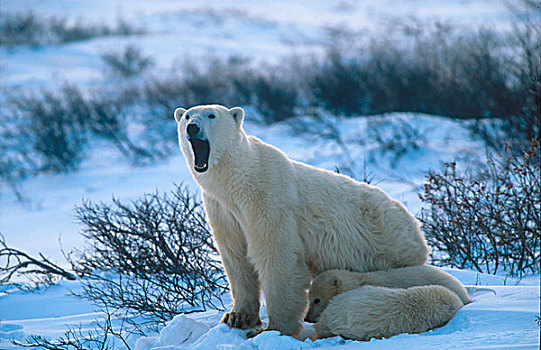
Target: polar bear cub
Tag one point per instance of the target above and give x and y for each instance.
(334, 282)
(362, 306)
(380, 312)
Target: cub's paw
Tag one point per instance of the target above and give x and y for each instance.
(241, 320)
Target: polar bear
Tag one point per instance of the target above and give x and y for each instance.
(278, 222)
(380, 312)
(333, 282)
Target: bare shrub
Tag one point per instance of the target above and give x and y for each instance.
(429, 68)
(338, 83)
(153, 257)
(29, 28)
(443, 71)
(54, 127)
(395, 137)
(487, 220)
(128, 63)
(145, 262)
(106, 336)
(274, 96)
(49, 131)
(62, 32)
(192, 87)
(440, 69)
(21, 28)
(40, 271)
(16, 162)
(524, 69)
(65, 31)
(230, 82)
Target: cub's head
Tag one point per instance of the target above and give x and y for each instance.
(323, 288)
(204, 132)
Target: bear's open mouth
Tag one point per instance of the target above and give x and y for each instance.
(201, 150)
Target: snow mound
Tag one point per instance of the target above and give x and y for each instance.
(185, 333)
(501, 316)
(180, 331)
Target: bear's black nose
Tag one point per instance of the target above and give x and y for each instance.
(192, 131)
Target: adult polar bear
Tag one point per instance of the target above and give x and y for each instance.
(278, 222)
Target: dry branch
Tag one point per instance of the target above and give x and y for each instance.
(15, 262)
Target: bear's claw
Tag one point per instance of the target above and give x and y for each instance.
(241, 320)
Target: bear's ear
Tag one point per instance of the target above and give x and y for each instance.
(238, 114)
(178, 113)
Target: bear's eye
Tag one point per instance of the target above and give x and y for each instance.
(187, 116)
(316, 301)
(212, 116)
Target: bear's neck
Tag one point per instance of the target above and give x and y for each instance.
(232, 174)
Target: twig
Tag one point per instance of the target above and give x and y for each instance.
(21, 263)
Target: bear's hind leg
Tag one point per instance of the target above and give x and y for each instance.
(285, 278)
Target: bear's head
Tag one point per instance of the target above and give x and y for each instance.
(204, 132)
(323, 288)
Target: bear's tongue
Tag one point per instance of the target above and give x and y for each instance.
(201, 149)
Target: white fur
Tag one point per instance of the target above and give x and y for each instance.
(277, 222)
(333, 282)
(380, 312)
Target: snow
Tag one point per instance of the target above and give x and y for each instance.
(499, 317)
(502, 314)
(45, 312)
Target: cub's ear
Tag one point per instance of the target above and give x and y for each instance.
(238, 114)
(178, 113)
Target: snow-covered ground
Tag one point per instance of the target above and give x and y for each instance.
(500, 318)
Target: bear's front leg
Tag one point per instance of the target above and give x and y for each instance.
(241, 276)
(245, 291)
(283, 274)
